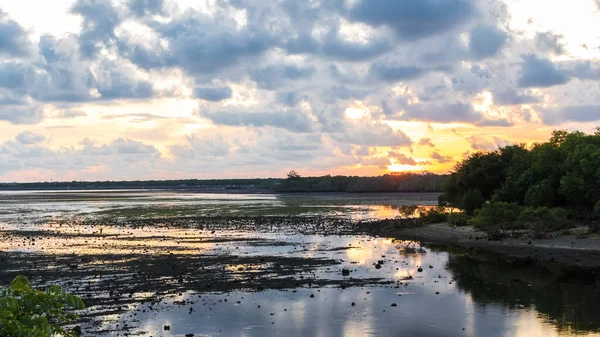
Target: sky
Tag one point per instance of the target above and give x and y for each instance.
(162, 89)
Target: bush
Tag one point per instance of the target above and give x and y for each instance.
(497, 218)
(458, 219)
(543, 220)
(25, 311)
(407, 211)
(596, 211)
(432, 215)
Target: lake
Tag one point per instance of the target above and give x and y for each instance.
(158, 263)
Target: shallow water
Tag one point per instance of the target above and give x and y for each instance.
(436, 292)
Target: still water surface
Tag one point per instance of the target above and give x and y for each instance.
(429, 291)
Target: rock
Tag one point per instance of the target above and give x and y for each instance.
(353, 304)
(420, 270)
(167, 328)
(189, 335)
(394, 305)
(312, 295)
(378, 266)
(345, 272)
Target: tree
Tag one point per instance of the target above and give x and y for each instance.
(25, 311)
(292, 175)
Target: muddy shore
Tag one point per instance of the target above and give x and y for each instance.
(568, 250)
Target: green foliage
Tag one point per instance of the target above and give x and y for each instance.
(458, 219)
(432, 215)
(596, 212)
(28, 312)
(407, 211)
(563, 172)
(498, 218)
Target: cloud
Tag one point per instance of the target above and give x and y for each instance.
(202, 147)
(549, 42)
(486, 41)
(484, 143)
(511, 97)
(365, 133)
(213, 94)
(401, 158)
(273, 77)
(442, 113)
(394, 73)
(412, 20)
(541, 73)
(22, 114)
(426, 142)
(28, 138)
(292, 120)
(14, 41)
(199, 44)
(441, 159)
(580, 113)
(288, 98)
(100, 19)
(141, 8)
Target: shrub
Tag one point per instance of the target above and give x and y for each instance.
(458, 219)
(497, 218)
(596, 211)
(25, 311)
(407, 211)
(432, 215)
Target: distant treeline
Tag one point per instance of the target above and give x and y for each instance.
(563, 172)
(397, 182)
(402, 182)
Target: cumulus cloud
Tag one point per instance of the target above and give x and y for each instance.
(512, 97)
(441, 159)
(289, 119)
(213, 94)
(412, 20)
(100, 19)
(486, 41)
(578, 113)
(28, 138)
(540, 72)
(549, 42)
(14, 41)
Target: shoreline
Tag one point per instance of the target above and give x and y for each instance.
(566, 250)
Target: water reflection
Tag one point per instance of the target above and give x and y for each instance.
(434, 293)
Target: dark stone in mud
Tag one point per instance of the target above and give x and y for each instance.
(345, 272)
(420, 270)
(167, 328)
(312, 295)
(378, 266)
(189, 335)
(353, 304)
(394, 305)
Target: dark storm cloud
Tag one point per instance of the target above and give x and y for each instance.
(292, 120)
(549, 42)
(541, 73)
(13, 38)
(394, 73)
(273, 77)
(100, 19)
(512, 97)
(414, 19)
(145, 7)
(213, 94)
(486, 41)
